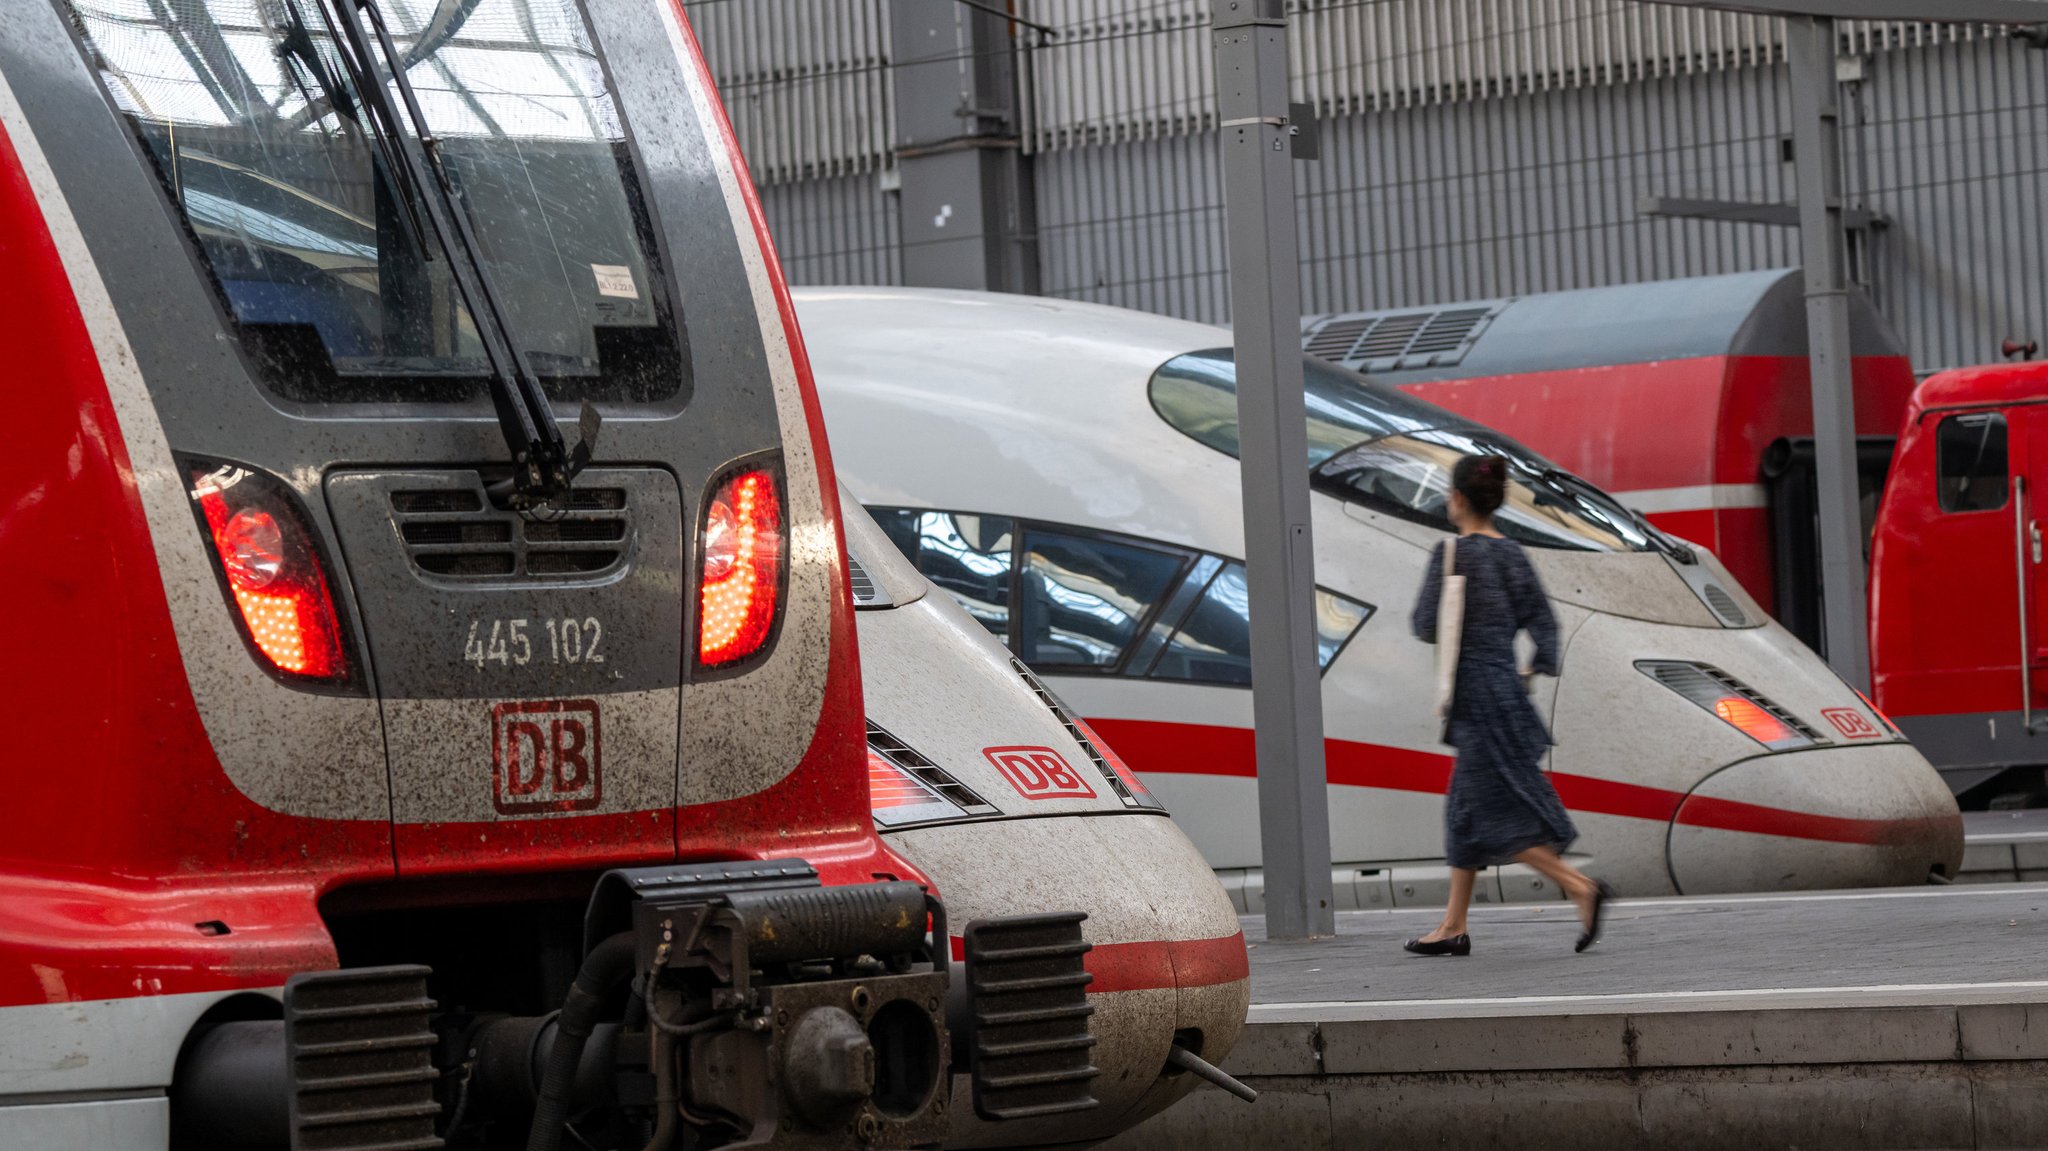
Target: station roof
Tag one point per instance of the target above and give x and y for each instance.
(1745, 314)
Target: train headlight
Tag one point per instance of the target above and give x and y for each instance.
(272, 572)
(740, 577)
(1733, 702)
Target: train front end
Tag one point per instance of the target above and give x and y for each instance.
(445, 684)
(1096, 949)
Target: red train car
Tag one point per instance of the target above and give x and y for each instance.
(1688, 399)
(1958, 595)
(393, 764)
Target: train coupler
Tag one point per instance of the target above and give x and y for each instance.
(777, 1012)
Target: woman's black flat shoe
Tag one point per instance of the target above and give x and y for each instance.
(1455, 945)
(1602, 896)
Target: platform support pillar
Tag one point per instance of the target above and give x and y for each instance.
(1816, 115)
(1265, 296)
(967, 214)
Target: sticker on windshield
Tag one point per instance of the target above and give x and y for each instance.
(615, 280)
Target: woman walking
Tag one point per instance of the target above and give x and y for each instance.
(1500, 806)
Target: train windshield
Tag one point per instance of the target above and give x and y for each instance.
(1381, 448)
(253, 114)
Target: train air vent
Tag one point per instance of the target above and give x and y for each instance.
(454, 533)
(1390, 337)
(360, 1055)
(1335, 339)
(1446, 331)
(1398, 341)
(1724, 605)
(1734, 702)
(1126, 786)
(1029, 1041)
(865, 593)
(930, 774)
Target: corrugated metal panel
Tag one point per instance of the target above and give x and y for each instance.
(806, 82)
(1441, 202)
(838, 231)
(1133, 71)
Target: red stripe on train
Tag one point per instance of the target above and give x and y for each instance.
(1153, 964)
(1206, 749)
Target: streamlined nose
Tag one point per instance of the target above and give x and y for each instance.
(1870, 816)
(1168, 955)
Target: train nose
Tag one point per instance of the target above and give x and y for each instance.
(1168, 956)
(1875, 815)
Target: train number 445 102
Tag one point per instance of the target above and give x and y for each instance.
(519, 642)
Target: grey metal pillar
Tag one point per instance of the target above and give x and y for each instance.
(1265, 308)
(968, 216)
(1817, 157)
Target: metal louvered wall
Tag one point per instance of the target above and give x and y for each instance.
(1472, 149)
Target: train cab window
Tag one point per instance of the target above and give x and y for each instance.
(968, 556)
(1081, 598)
(321, 247)
(1212, 644)
(1970, 462)
(1383, 449)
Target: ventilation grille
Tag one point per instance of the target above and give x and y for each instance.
(1398, 340)
(1724, 605)
(1028, 992)
(928, 773)
(454, 534)
(865, 593)
(360, 1054)
(1702, 681)
(1059, 712)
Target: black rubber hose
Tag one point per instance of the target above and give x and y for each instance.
(609, 964)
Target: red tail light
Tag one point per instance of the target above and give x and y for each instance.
(1751, 720)
(740, 587)
(1881, 716)
(891, 786)
(272, 572)
(1139, 793)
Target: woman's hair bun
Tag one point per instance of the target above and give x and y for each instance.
(1482, 480)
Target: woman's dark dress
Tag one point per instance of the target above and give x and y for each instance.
(1500, 803)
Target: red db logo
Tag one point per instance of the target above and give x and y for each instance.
(1038, 773)
(544, 756)
(1851, 723)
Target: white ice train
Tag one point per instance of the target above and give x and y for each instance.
(981, 778)
(1067, 472)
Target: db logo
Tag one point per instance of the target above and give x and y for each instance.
(544, 756)
(1038, 773)
(1851, 723)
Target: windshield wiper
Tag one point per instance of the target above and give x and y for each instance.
(542, 465)
(299, 43)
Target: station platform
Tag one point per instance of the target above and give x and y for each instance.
(2005, 846)
(1893, 1018)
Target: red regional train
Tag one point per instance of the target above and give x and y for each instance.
(1705, 418)
(389, 770)
(1967, 674)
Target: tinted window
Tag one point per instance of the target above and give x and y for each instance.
(337, 287)
(1213, 643)
(1969, 458)
(1082, 598)
(1381, 448)
(966, 555)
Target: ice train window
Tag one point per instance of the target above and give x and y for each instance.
(1970, 462)
(1381, 448)
(1213, 642)
(968, 556)
(1082, 598)
(329, 269)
